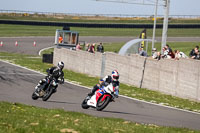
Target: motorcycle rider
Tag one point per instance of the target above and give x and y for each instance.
(56, 73)
(114, 79)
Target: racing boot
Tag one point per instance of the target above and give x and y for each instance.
(37, 90)
(90, 94)
(95, 88)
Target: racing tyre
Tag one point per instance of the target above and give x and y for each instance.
(84, 104)
(34, 96)
(48, 93)
(102, 104)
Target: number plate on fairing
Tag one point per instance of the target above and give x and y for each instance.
(92, 101)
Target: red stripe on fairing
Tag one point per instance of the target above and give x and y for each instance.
(98, 95)
(106, 95)
(113, 89)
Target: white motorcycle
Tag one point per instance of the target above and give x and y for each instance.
(102, 97)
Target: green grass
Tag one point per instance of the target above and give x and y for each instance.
(22, 30)
(185, 47)
(19, 118)
(159, 98)
(112, 47)
(22, 118)
(26, 60)
(94, 19)
(7, 30)
(109, 47)
(83, 79)
(47, 51)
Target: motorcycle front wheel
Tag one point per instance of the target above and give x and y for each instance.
(34, 96)
(48, 93)
(84, 104)
(102, 104)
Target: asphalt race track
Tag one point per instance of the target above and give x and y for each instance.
(25, 44)
(17, 85)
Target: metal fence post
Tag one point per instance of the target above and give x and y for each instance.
(103, 64)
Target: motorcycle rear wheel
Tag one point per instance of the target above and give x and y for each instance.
(102, 104)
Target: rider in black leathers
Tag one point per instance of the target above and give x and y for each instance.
(54, 72)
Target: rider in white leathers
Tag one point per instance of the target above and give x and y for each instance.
(106, 81)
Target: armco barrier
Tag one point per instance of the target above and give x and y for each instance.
(175, 77)
(96, 25)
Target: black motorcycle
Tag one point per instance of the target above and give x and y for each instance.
(45, 90)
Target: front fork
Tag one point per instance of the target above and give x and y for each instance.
(54, 85)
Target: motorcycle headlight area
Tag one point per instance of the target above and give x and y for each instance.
(54, 83)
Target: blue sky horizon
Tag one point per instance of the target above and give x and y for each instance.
(177, 7)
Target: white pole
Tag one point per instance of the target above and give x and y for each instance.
(154, 26)
(165, 24)
(56, 37)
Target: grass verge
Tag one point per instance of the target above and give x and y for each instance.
(7, 30)
(93, 19)
(85, 80)
(185, 47)
(19, 118)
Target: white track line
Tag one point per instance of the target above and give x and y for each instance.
(45, 49)
(119, 95)
(18, 74)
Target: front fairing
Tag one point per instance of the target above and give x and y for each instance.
(92, 101)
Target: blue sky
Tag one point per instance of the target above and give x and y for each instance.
(177, 7)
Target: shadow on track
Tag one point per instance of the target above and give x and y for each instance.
(118, 112)
(61, 102)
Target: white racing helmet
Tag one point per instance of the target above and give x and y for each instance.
(115, 75)
(60, 65)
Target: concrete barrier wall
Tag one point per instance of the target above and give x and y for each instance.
(79, 61)
(175, 77)
(129, 67)
(161, 75)
(189, 79)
